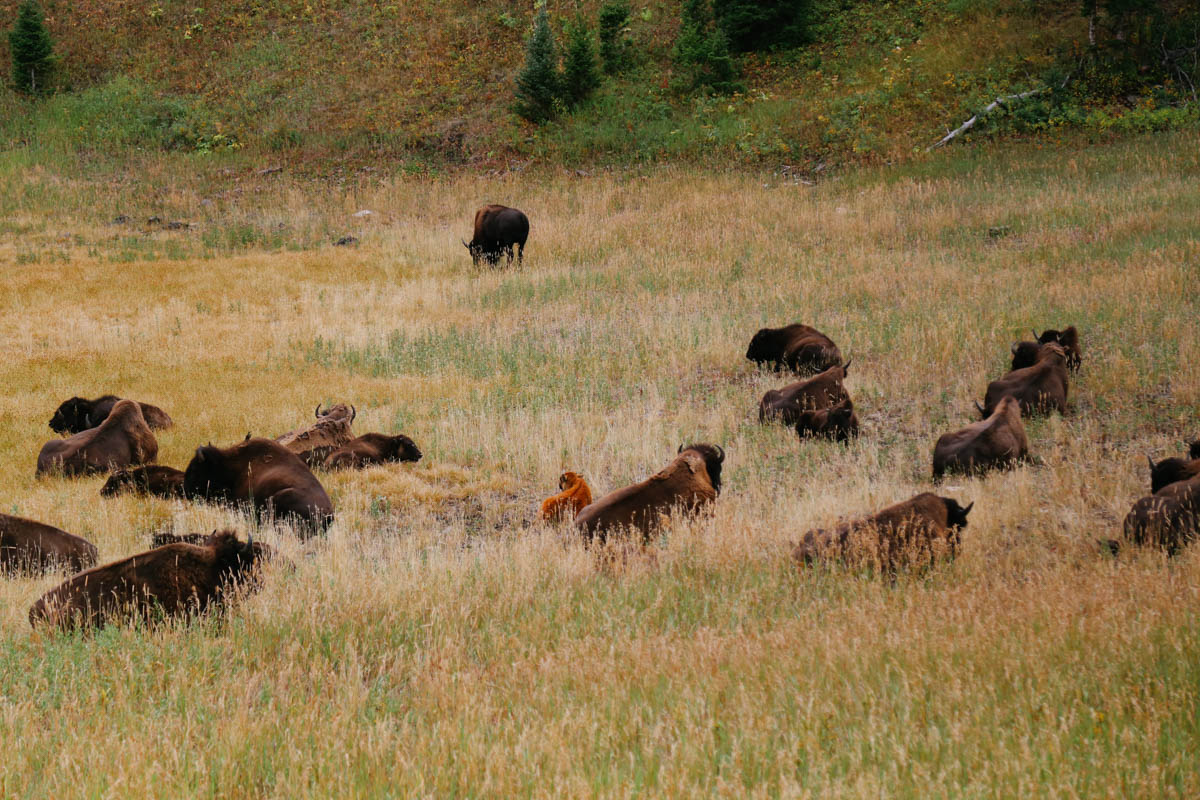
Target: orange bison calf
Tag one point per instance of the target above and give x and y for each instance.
(573, 498)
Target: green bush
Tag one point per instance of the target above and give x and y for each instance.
(762, 24)
(539, 85)
(614, 45)
(32, 51)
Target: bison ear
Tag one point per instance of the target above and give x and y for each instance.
(200, 454)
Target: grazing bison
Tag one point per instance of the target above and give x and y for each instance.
(152, 479)
(313, 443)
(574, 497)
(1041, 388)
(122, 440)
(177, 579)
(915, 533)
(995, 442)
(1172, 470)
(814, 394)
(797, 347)
(32, 548)
(1025, 354)
(373, 448)
(78, 415)
(264, 473)
(690, 482)
(1169, 518)
(497, 229)
(838, 422)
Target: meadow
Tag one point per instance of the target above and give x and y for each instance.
(441, 641)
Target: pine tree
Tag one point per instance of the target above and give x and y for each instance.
(580, 76)
(614, 16)
(539, 85)
(32, 50)
(702, 50)
(761, 24)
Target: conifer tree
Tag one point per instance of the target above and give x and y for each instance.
(32, 50)
(539, 84)
(614, 16)
(580, 76)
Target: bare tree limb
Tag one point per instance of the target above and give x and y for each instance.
(989, 108)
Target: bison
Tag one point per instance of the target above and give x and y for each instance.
(838, 422)
(995, 442)
(1041, 388)
(574, 497)
(1025, 354)
(799, 348)
(263, 473)
(153, 480)
(690, 482)
(814, 394)
(497, 229)
(373, 448)
(1194, 450)
(78, 415)
(314, 442)
(122, 440)
(175, 580)
(1168, 519)
(1172, 470)
(915, 533)
(33, 548)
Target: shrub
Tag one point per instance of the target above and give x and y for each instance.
(32, 50)
(761, 24)
(614, 46)
(702, 50)
(539, 83)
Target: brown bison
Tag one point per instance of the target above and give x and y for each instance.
(314, 442)
(262, 473)
(1041, 388)
(78, 415)
(153, 480)
(574, 497)
(1172, 470)
(813, 394)
(797, 347)
(30, 547)
(122, 440)
(497, 230)
(915, 533)
(995, 442)
(838, 422)
(690, 482)
(1169, 518)
(178, 579)
(373, 448)
(1025, 354)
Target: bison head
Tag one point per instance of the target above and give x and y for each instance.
(842, 422)
(956, 515)
(764, 346)
(569, 479)
(714, 457)
(1194, 449)
(207, 476)
(1024, 354)
(72, 416)
(119, 481)
(404, 449)
(1168, 471)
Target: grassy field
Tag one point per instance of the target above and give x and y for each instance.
(442, 642)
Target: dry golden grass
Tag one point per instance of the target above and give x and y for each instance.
(440, 641)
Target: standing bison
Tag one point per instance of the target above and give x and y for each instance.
(30, 547)
(178, 579)
(78, 415)
(1039, 389)
(263, 473)
(798, 348)
(497, 230)
(996, 442)
(122, 440)
(690, 482)
(314, 442)
(373, 448)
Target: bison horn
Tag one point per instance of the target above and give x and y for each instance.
(247, 437)
(353, 412)
(249, 539)
(1036, 338)
(1151, 460)
(199, 453)
(720, 452)
(317, 411)
(967, 510)
(846, 366)
(680, 450)
(464, 241)
(980, 408)
(1013, 349)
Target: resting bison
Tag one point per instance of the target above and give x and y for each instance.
(32, 548)
(574, 497)
(153, 480)
(497, 229)
(1041, 388)
(1172, 470)
(264, 473)
(373, 448)
(313, 443)
(1025, 354)
(1169, 518)
(797, 347)
(78, 415)
(122, 440)
(995, 442)
(178, 579)
(838, 422)
(690, 482)
(814, 394)
(915, 533)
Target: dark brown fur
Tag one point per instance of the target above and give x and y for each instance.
(1168, 519)
(996, 442)
(314, 442)
(265, 473)
(153, 480)
(690, 482)
(838, 422)
(1025, 354)
(373, 448)
(1172, 470)
(915, 533)
(1041, 388)
(122, 440)
(32, 548)
(78, 414)
(174, 580)
(497, 230)
(813, 394)
(799, 348)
